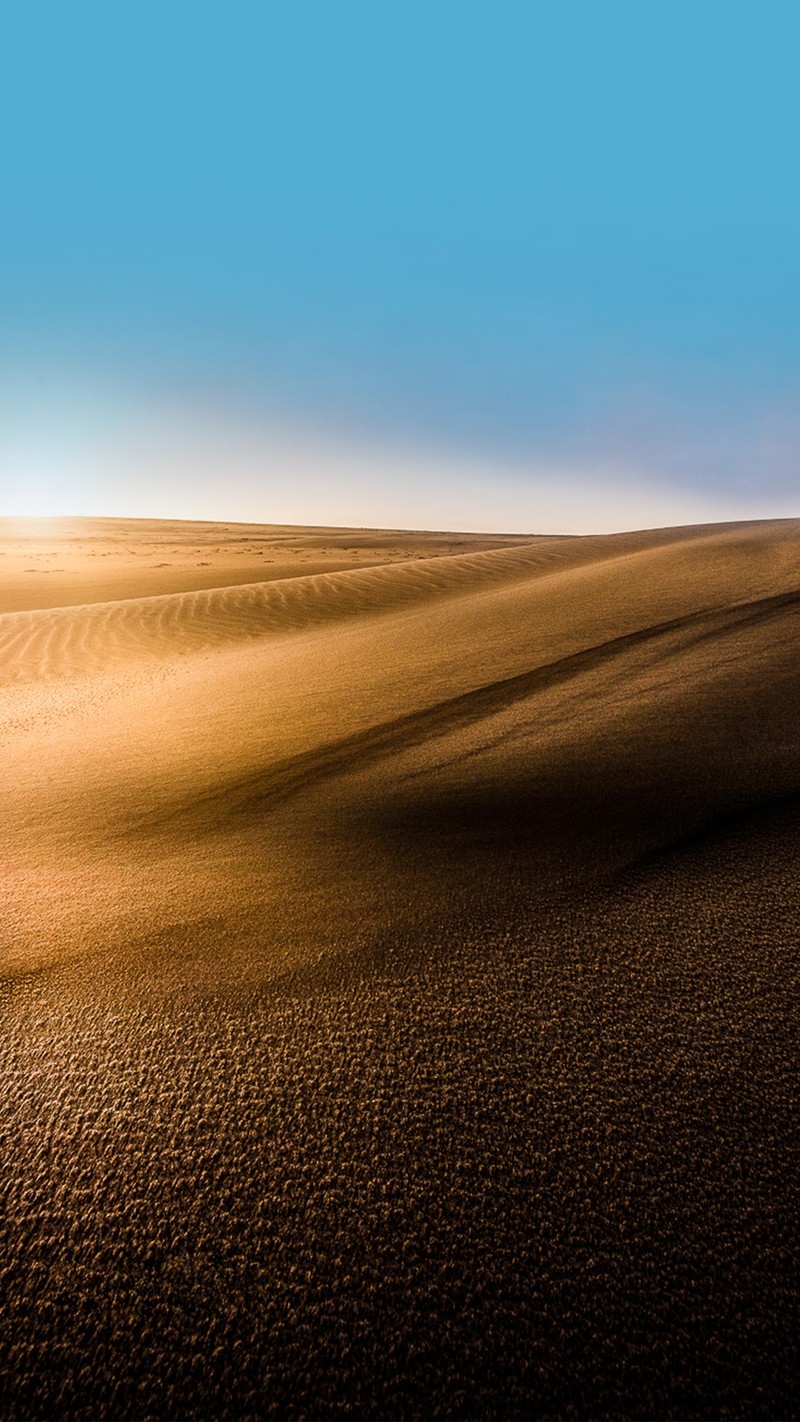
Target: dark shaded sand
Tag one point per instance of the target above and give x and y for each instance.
(400, 985)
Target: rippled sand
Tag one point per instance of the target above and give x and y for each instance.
(399, 972)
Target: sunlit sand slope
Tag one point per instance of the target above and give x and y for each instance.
(421, 839)
(67, 561)
(77, 640)
(423, 708)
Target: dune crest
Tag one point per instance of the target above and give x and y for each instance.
(73, 642)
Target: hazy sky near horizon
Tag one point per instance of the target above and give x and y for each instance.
(513, 265)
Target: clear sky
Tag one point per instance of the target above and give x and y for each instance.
(502, 265)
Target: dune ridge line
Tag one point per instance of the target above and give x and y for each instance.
(73, 642)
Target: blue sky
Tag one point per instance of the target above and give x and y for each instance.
(461, 264)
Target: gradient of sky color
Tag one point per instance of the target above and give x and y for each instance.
(502, 265)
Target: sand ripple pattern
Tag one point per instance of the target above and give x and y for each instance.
(75, 642)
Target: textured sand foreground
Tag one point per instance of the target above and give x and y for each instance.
(399, 972)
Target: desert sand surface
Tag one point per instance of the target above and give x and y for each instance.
(399, 972)
(62, 562)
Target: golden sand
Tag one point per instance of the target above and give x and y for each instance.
(399, 973)
(323, 752)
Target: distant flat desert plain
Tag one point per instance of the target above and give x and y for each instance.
(399, 971)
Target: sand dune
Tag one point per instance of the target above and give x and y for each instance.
(79, 640)
(159, 749)
(65, 562)
(339, 786)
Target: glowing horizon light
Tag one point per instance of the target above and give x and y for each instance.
(186, 462)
